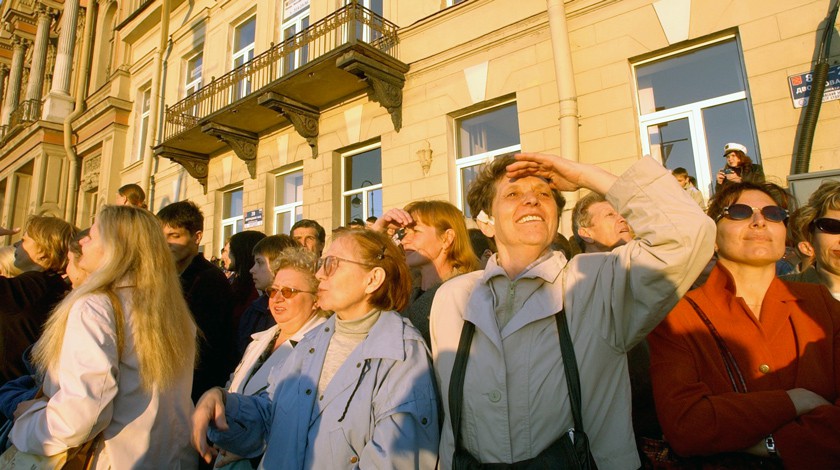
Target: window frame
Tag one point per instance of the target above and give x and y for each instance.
(693, 112)
(143, 123)
(231, 221)
(289, 207)
(192, 86)
(300, 56)
(462, 163)
(243, 88)
(362, 192)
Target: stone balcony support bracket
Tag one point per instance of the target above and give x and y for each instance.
(303, 117)
(243, 143)
(385, 84)
(194, 163)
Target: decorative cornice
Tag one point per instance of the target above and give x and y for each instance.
(194, 163)
(303, 117)
(243, 143)
(384, 84)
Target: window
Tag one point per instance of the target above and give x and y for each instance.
(291, 27)
(243, 51)
(232, 219)
(691, 103)
(364, 31)
(193, 82)
(362, 189)
(481, 137)
(143, 127)
(288, 200)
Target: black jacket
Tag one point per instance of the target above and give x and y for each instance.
(25, 304)
(208, 294)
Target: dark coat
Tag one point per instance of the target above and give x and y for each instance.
(25, 304)
(210, 300)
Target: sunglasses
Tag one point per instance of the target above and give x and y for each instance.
(286, 292)
(330, 264)
(743, 211)
(826, 225)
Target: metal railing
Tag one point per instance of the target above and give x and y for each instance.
(351, 24)
(27, 111)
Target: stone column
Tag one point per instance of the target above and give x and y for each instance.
(39, 59)
(59, 103)
(13, 87)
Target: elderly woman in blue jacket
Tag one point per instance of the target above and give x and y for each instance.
(358, 391)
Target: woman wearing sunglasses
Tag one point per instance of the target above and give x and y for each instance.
(358, 391)
(815, 228)
(746, 366)
(292, 303)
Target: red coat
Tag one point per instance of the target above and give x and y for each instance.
(798, 338)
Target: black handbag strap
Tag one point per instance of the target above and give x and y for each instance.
(459, 368)
(567, 349)
(729, 362)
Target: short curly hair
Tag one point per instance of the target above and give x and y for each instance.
(483, 190)
(825, 198)
(53, 237)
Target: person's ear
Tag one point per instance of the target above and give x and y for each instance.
(805, 248)
(448, 239)
(585, 235)
(489, 230)
(375, 278)
(197, 236)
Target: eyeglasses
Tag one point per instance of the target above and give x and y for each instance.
(330, 264)
(826, 225)
(286, 292)
(743, 211)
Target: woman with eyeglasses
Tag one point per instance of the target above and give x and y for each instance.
(745, 368)
(292, 302)
(357, 391)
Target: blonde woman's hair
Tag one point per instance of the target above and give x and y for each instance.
(136, 255)
(7, 262)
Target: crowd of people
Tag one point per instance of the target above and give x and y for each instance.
(414, 341)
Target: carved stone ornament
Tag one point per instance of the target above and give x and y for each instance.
(243, 143)
(384, 84)
(304, 118)
(194, 163)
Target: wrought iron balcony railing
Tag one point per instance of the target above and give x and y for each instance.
(351, 24)
(27, 112)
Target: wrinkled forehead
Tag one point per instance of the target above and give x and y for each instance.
(525, 183)
(305, 232)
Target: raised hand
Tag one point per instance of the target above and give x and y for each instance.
(209, 409)
(562, 174)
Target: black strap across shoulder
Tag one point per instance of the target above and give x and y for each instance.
(456, 383)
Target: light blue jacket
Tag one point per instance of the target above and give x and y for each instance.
(379, 410)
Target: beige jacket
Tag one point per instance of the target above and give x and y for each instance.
(516, 401)
(96, 390)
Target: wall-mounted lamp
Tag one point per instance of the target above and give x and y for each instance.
(357, 201)
(424, 156)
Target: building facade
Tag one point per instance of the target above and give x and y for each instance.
(267, 111)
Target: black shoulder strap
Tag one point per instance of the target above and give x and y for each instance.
(567, 349)
(456, 379)
(459, 368)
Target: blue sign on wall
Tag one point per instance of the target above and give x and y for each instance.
(800, 86)
(253, 218)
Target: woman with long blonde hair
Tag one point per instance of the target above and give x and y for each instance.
(117, 355)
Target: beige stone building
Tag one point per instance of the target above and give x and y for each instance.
(266, 111)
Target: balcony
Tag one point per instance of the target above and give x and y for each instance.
(350, 52)
(26, 113)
